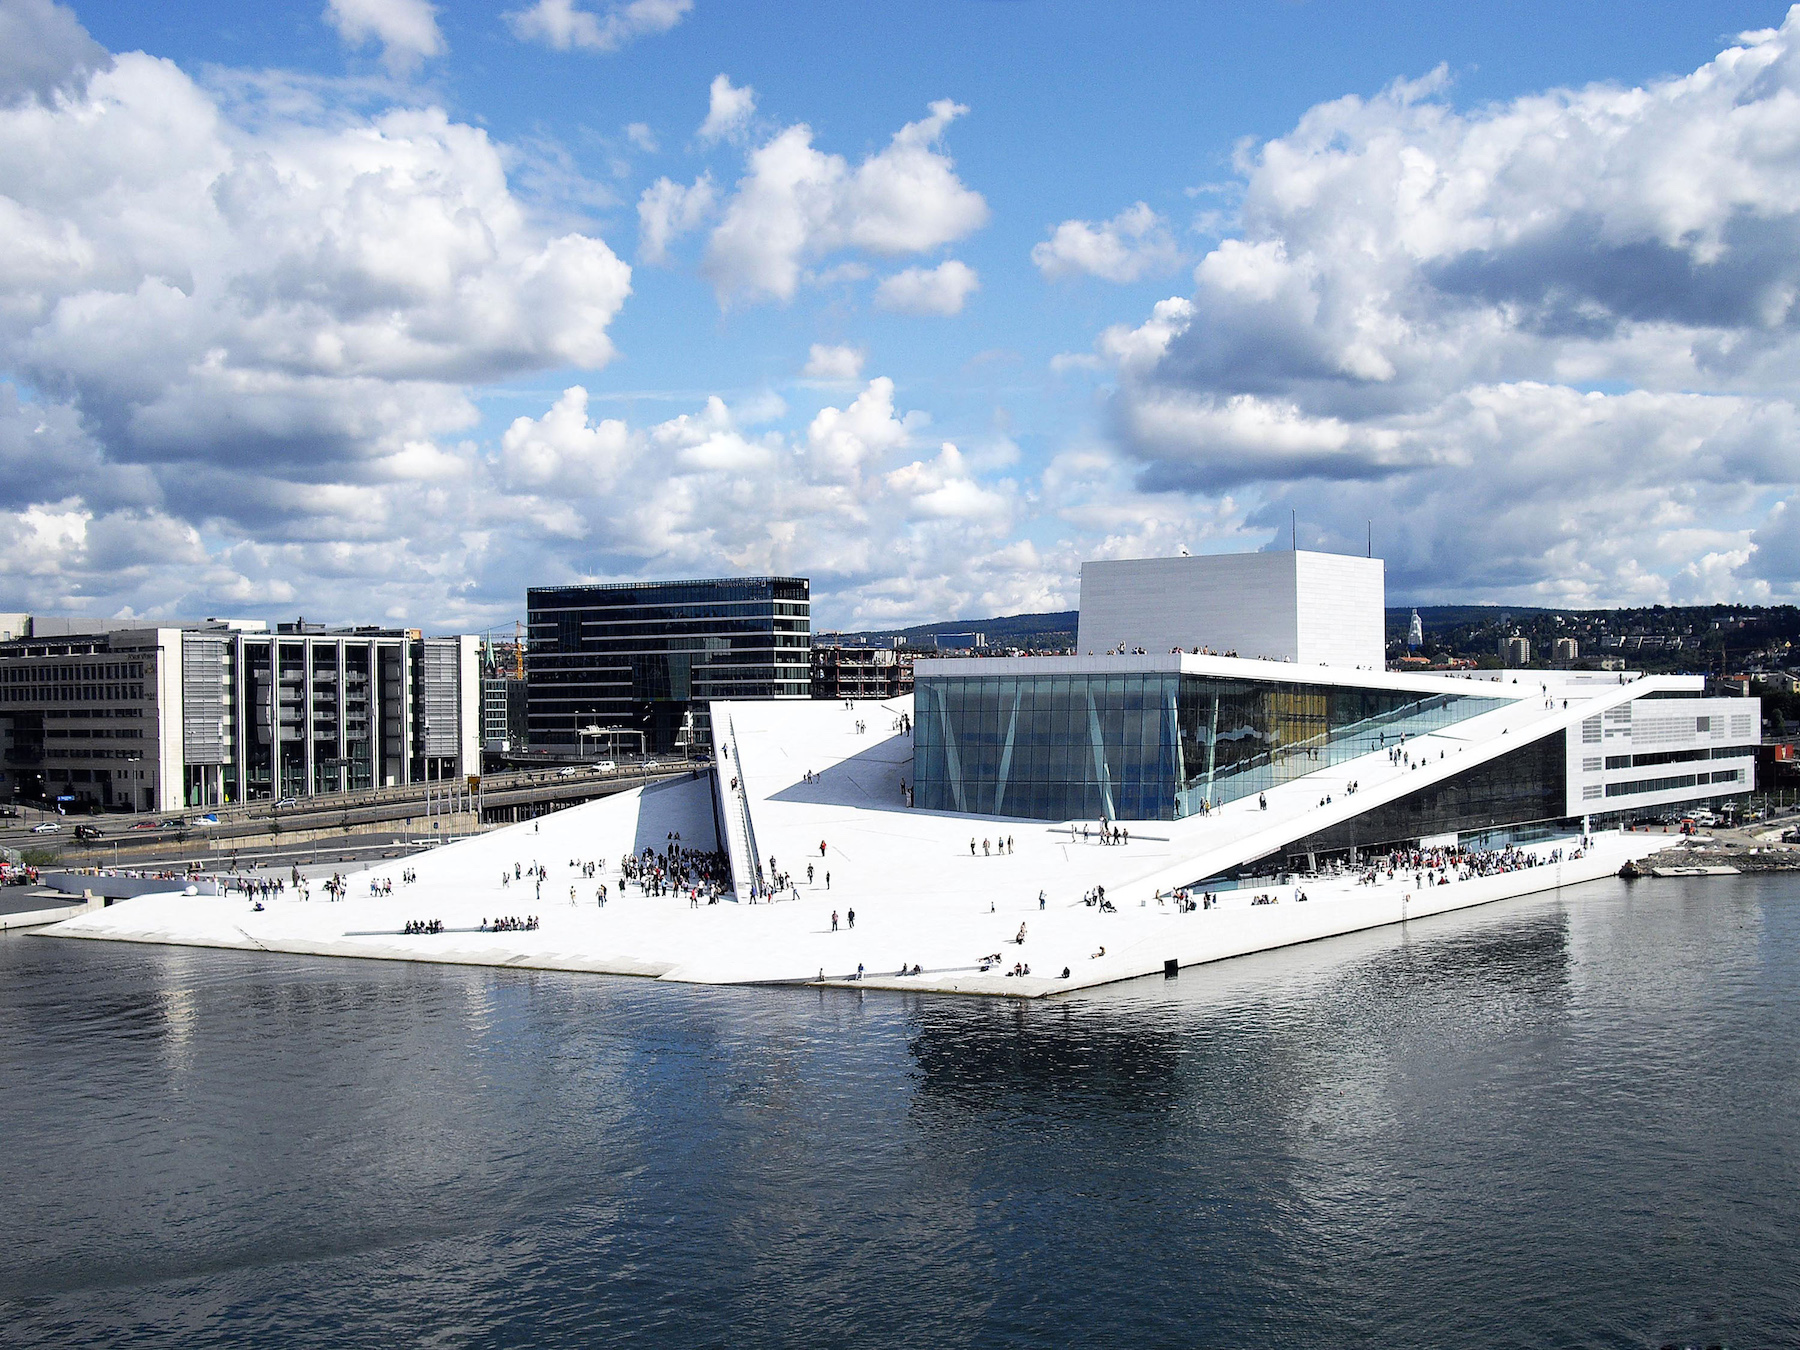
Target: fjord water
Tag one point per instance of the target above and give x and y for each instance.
(1563, 1120)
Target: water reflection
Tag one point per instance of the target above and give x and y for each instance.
(1557, 1120)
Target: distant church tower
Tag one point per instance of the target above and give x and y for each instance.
(1415, 633)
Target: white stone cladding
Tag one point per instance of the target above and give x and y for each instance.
(1310, 608)
(1644, 753)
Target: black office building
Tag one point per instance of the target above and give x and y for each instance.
(649, 656)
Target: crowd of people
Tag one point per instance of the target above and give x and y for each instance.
(702, 874)
(1441, 866)
(415, 927)
(1108, 833)
(528, 924)
(254, 888)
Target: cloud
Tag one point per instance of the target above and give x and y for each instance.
(641, 137)
(938, 290)
(406, 29)
(796, 204)
(1133, 245)
(263, 336)
(564, 451)
(840, 443)
(848, 502)
(667, 210)
(833, 363)
(728, 111)
(1550, 342)
(561, 25)
(43, 49)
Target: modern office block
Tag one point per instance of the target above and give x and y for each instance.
(1310, 608)
(153, 719)
(647, 657)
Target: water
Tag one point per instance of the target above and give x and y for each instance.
(1559, 1121)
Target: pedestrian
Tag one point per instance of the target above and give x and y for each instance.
(1041, 899)
(851, 916)
(828, 881)
(834, 921)
(821, 848)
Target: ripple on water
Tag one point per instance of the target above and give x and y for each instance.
(1565, 1119)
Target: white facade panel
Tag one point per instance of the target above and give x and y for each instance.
(1341, 606)
(1311, 608)
(1654, 752)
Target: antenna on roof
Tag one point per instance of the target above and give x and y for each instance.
(1370, 553)
(1296, 525)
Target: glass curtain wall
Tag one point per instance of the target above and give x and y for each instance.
(1145, 746)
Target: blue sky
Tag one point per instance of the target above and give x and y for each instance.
(353, 306)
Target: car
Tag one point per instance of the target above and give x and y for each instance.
(285, 802)
(47, 827)
(566, 773)
(87, 833)
(604, 766)
(145, 825)
(173, 823)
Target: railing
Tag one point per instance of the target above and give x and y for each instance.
(737, 805)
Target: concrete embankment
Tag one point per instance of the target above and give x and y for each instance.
(125, 885)
(43, 918)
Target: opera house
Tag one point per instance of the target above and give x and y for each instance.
(1227, 767)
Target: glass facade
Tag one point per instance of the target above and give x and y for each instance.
(1145, 745)
(646, 655)
(1522, 787)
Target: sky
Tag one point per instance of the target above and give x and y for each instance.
(380, 311)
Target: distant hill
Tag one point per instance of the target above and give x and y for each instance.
(1015, 630)
(1710, 636)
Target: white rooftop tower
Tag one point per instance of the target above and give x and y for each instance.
(1311, 608)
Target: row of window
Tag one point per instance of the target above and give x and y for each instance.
(59, 674)
(1631, 789)
(69, 693)
(1671, 757)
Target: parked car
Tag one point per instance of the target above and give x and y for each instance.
(47, 827)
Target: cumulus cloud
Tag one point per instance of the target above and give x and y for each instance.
(729, 110)
(43, 48)
(938, 290)
(262, 336)
(796, 204)
(406, 29)
(1551, 342)
(667, 210)
(833, 363)
(565, 26)
(1133, 245)
(850, 502)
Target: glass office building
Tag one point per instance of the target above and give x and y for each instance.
(1145, 745)
(648, 656)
